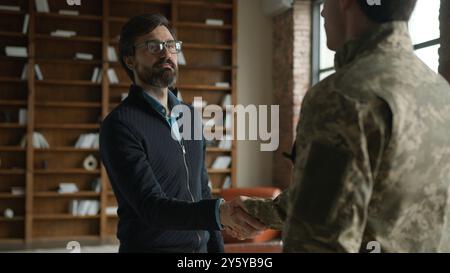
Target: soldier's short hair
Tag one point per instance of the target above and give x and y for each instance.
(384, 11)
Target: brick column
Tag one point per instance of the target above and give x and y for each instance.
(291, 79)
(444, 51)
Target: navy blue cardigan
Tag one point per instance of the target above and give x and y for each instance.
(150, 179)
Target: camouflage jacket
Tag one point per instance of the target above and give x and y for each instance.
(372, 155)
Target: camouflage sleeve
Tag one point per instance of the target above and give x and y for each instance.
(270, 212)
(332, 185)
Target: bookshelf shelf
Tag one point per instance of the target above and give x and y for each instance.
(81, 17)
(64, 217)
(13, 103)
(66, 150)
(67, 126)
(70, 104)
(12, 34)
(203, 26)
(4, 195)
(66, 171)
(12, 172)
(65, 195)
(69, 39)
(66, 104)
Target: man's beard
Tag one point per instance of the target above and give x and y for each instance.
(157, 75)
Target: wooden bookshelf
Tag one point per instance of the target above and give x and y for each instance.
(66, 103)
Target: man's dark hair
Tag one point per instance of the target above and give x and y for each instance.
(389, 10)
(133, 29)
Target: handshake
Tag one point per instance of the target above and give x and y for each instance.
(237, 222)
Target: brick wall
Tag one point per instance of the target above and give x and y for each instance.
(291, 78)
(444, 52)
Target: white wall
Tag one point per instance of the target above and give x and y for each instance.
(254, 84)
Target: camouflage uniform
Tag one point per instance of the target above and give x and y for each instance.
(372, 154)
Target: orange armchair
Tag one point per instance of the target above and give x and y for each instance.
(263, 192)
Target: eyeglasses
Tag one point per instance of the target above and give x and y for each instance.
(155, 47)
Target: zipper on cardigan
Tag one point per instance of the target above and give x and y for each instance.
(188, 185)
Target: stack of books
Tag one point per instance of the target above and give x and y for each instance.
(84, 207)
(9, 8)
(83, 56)
(87, 141)
(63, 33)
(65, 188)
(16, 51)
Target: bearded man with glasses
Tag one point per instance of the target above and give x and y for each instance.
(159, 178)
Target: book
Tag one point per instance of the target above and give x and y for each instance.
(17, 190)
(9, 8)
(226, 100)
(221, 162)
(112, 56)
(222, 84)
(225, 143)
(181, 59)
(111, 210)
(63, 33)
(26, 21)
(67, 188)
(73, 207)
(123, 96)
(112, 76)
(96, 185)
(214, 22)
(38, 72)
(16, 51)
(39, 141)
(24, 74)
(69, 12)
(23, 116)
(84, 56)
(227, 183)
(95, 74)
(87, 141)
(42, 6)
(100, 76)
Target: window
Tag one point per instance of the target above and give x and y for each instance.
(424, 29)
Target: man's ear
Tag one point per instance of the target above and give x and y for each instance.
(129, 61)
(344, 5)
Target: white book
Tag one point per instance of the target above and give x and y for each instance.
(227, 183)
(23, 141)
(42, 6)
(214, 22)
(69, 12)
(112, 56)
(67, 188)
(24, 75)
(100, 76)
(226, 100)
(26, 20)
(94, 207)
(36, 143)
(228, 121)
(23, 116)
(10, 8)
(84, 56)
(17, 190)
(16, 51)
(95, 74)
(123, 96)
(73, 207)
(225, 143)
(222, 84)
(79, 141)
(96, 142)
(63, 33)
(112, 76)
(111, 211)
(85, 141)
(221, 162)
(42, 141)
(181, 59)
(38, 72)
(83, 207)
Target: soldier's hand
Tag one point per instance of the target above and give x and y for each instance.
(237, 222)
